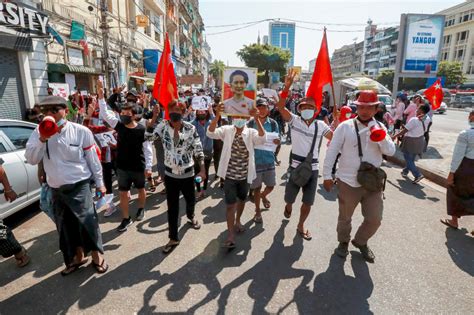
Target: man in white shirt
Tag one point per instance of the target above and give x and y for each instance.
(70, 162)
(303, 131)
(236, 165)
(350, 191)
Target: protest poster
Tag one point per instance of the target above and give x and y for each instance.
(269, 145)
(239, 90)
(60, 89)
(201, 102)
(106, 138)
(270, 93)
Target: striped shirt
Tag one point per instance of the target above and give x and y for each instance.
(239, 160)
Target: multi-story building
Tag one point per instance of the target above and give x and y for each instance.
(379, 49)
(458, 40)
(283, 35)
(22, 58)
(346, 60)
(312, 64)
(205, 63)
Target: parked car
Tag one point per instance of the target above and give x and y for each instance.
(442, 109)
(463, 99)
(387, 100)
(23, 177)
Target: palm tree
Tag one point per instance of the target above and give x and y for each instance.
(216, 69)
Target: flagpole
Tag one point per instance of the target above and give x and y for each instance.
(332, 85)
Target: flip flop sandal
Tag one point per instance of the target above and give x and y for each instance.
(287, 213)
(257, 219)
(267, 204)
(446, 222)
(24, 259)
(72, 268)
(169, 247)
(102, 268)
(306, 235)
(228, 244)
(239, 228)
(195, 224)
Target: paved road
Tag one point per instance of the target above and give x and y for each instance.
(421, 266)
(451, 122)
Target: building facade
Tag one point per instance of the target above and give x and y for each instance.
(347, 60)
(458, 39)
(379, 49)
(23, 74)
(283, 35)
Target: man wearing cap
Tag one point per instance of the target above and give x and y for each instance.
(264, 159)
(70, 161)
(303, 129)
(350, 191)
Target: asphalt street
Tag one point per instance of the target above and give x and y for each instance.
(421, 266)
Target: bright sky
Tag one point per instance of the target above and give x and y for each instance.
(224, 12)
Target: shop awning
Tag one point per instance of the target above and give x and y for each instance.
(64, 68)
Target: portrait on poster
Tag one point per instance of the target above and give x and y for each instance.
(239, 90)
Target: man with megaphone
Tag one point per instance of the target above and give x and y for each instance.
(361, 141)
(71, 162)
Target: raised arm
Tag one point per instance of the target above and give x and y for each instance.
(106, 115)
(284, 112)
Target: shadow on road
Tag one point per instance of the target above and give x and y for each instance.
(203, 269)
(461, 249)
(265, 276)
(432, 154)
(337, 293)
(415, 190)
(84, 286)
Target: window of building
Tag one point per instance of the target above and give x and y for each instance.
(447, 39)
(284, 40)
(445, 56)
(465, 18)
(147, 30)
(460, 54)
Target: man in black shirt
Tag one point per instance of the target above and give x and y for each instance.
(134, 156)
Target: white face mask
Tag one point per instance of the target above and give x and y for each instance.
(239, 122)
(307, 114)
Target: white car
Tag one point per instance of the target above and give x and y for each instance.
(442, 108)
(23, 177)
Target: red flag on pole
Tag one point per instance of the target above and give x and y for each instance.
(434, 94)
(322, 74)
(165, 88)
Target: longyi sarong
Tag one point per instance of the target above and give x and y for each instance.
(460, 197)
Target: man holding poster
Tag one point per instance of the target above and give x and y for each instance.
(236, 102)
(264, 159)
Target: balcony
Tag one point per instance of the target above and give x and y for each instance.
(372, 60)
(373, 50)
(394, 42)
(157, 5)
(184, 31)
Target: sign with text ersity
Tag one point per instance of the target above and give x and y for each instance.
(12, 14)
(423, 40)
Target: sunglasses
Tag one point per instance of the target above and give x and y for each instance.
(52, 109)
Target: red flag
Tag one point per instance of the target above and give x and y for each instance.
(434, 94)
(165, 88)
(322, 74)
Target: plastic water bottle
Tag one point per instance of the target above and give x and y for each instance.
(198, 180)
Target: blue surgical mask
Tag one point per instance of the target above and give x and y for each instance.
(61, 122)
(307, 114)
(239, 122)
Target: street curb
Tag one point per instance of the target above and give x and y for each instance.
(436, 178)
(466, 109)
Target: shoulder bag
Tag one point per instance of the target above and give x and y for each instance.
(369, 177)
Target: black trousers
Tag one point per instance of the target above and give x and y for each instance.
(175, 186)
(197, 169)
(107, 172)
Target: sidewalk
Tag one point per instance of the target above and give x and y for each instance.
(436, 162)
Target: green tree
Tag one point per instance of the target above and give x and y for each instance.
(385, 78)
(266, 58)
(216, 69)
(452, 70)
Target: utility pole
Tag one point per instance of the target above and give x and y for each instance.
(105, 41)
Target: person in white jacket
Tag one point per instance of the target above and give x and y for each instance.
(237, 164)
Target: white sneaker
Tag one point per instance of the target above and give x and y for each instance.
(110, 210)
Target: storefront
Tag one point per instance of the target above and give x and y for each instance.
(22, 58)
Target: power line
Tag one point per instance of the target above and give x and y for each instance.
(235, 29)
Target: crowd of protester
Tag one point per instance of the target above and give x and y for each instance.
(130, 138)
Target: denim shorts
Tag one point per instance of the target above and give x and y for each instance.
(235, 190)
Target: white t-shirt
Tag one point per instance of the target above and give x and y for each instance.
(415, 127)
(302, 137)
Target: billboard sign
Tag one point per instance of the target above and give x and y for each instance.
(423, 40)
